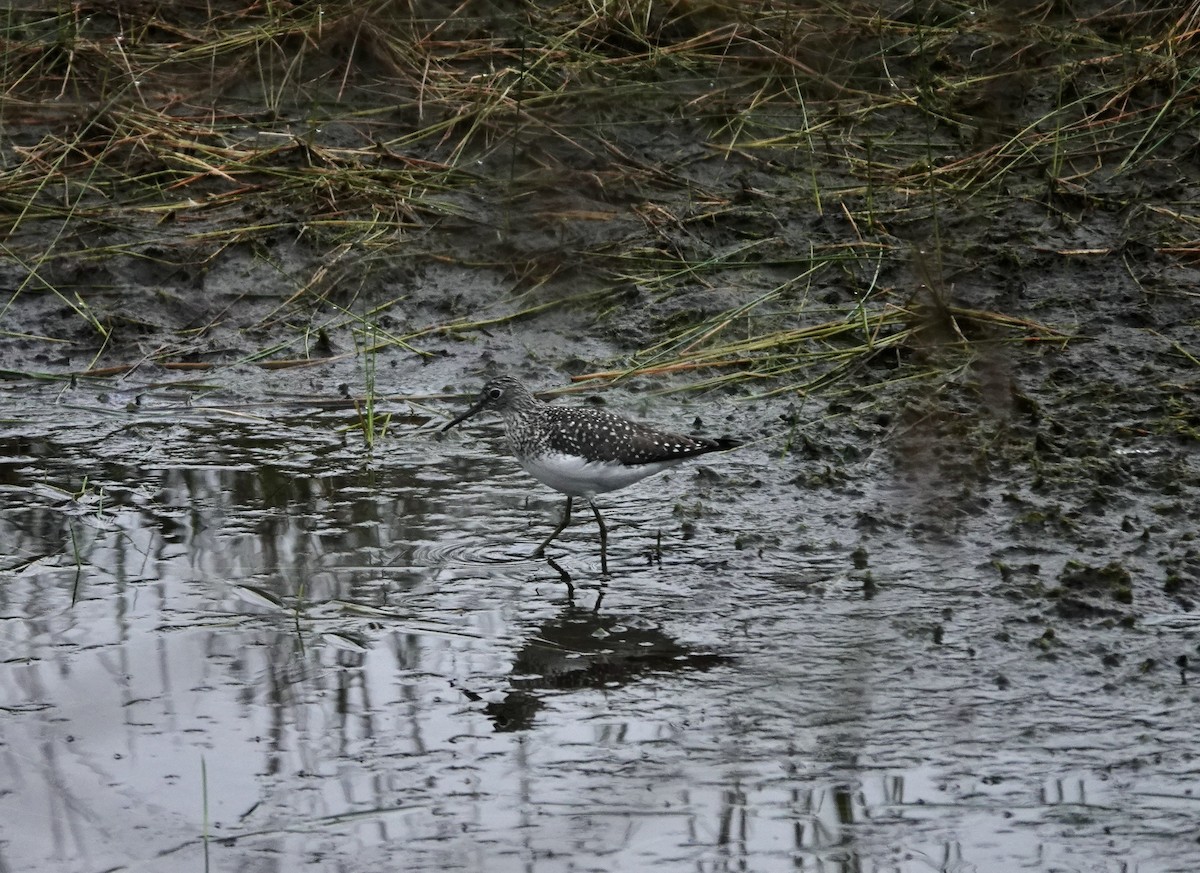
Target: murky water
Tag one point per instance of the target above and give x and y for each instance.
(229, 641)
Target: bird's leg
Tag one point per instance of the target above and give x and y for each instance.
(566, 519)
(603, 537)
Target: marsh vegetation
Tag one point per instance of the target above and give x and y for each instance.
(934, 262)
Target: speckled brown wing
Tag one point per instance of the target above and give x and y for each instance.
(598, 435)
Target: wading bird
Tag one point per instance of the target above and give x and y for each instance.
(582, 452)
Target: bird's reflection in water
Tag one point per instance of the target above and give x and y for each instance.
(580, 648)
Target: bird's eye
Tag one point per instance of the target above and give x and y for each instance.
(495, 393)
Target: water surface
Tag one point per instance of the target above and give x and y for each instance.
(236, 624)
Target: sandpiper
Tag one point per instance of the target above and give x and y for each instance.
(582, 452)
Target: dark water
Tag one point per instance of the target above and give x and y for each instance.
(351, 663)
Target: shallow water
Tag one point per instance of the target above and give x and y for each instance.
(233, 623)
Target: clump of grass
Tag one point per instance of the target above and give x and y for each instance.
(174, 132)
(812, 356)
(372, 425)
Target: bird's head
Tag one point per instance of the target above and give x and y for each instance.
(503, 394)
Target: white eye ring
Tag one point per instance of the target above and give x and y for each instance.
(495, 393)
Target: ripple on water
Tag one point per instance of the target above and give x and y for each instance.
(468, 550)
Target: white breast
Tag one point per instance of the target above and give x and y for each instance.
(576, 477)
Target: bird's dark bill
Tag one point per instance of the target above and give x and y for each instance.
(472, 411)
